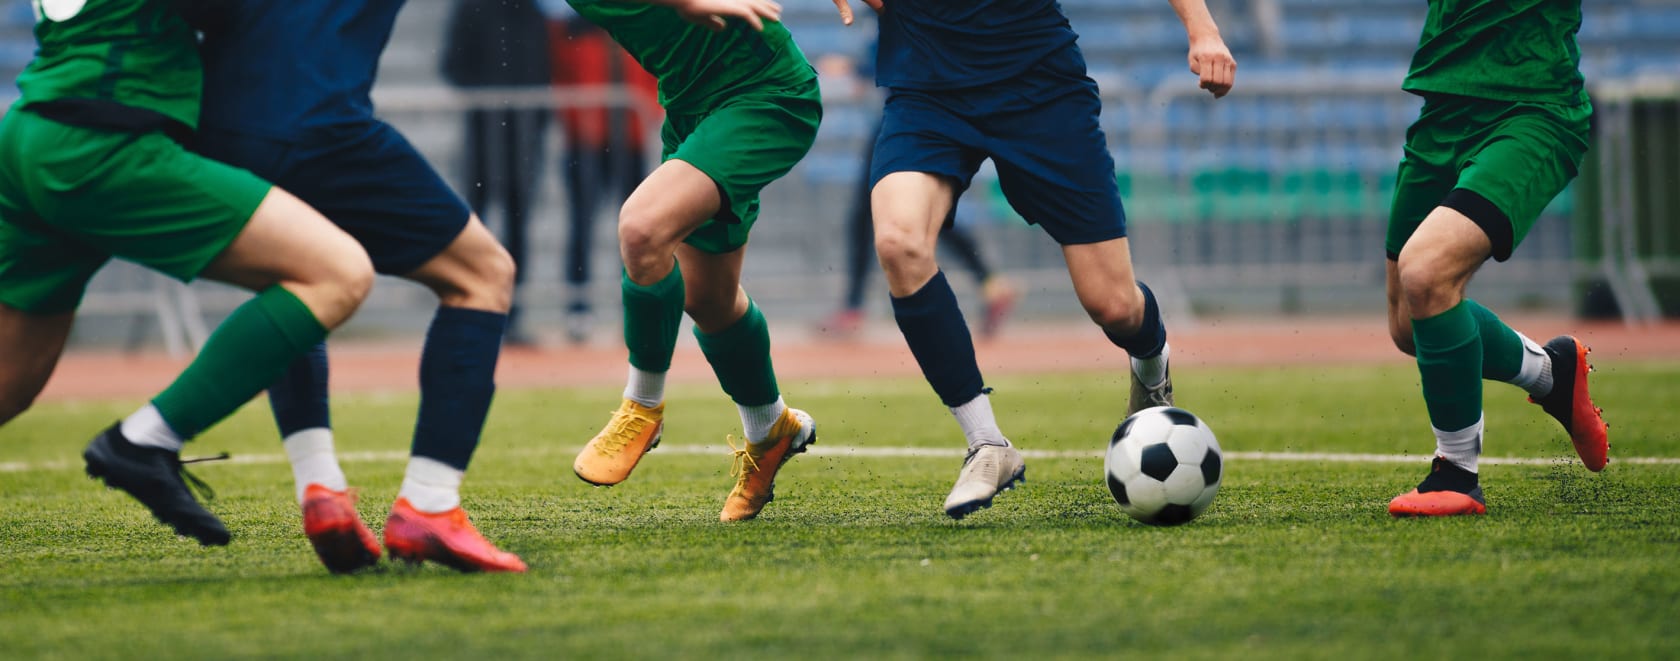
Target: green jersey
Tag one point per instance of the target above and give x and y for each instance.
(698, 68)
(134, 53)
(1505, 50)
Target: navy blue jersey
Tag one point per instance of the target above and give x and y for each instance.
(953, 44)
(282, 68)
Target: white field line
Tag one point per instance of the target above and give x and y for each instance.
(899, 452)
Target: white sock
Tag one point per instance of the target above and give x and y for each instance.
(313, 461)
(645, 388)
(431, 486)
(757, 420)
(1152, 371)
(146, 427)
(1463, 447)
(1535, 376)
(978, 424)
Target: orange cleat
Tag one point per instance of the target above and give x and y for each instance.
(756, 464)
(1569, 403)
(446, 538)
(342, 541)
(1448, 491)
(613, 453)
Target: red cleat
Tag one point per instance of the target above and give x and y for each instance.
(336, 531)
(1447, 491)
(1570, 404)
(1436, 503)
(446, 538)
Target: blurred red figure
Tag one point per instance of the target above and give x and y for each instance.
(605, 154)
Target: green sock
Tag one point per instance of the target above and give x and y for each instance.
(740, 356)
(1502, 348)
(652, 315)
(1449, 358)
(244, 356)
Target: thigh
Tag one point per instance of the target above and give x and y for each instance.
(382, 192)
(1055, 169)
(141, 197)
(743, 146)
(1428, 169)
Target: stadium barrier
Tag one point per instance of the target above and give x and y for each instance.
(1272, 200)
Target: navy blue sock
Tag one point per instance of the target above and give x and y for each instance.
(299, 397)
(1151, 336)
(457, 381)
(933, 326)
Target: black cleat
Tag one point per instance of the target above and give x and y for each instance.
(155, 477)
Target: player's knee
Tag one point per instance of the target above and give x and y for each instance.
(1425, 279)
(898, 248)
(1119, 312)
(641, 234)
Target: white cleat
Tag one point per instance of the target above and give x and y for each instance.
(989, 469)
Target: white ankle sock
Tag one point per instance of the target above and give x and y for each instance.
(1463, 447)
(431, 486)
(978, 423)
(1151, 371)
(146, 427)
(757, 420)
(1535, 376)
(645, 388)
(313, 461)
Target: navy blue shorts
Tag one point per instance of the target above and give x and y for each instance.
(366, 179)
(1040, 129)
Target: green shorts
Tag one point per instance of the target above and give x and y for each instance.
(744, 144)
(72, 198)
(1516, 155)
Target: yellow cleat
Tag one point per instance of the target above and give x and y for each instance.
(613, 453)
(756, 464)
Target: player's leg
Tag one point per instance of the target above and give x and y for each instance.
(1055, 169)
(30, 345)
(676, 198)
(310, 276)
(923, 159)
(1457, 341)
(386, 195)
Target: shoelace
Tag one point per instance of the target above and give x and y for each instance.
(744, 463)
(622, 429)
(198, 486)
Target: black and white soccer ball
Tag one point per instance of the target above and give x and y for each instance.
(1163, 466)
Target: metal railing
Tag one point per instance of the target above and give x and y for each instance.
(1273, 199)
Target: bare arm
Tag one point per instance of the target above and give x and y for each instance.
(714, 14)
(1209, 58)
(846, 9)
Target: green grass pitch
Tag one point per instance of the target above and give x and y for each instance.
(1296, 559)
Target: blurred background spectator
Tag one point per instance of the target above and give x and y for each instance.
(501, 44)
(605, 151)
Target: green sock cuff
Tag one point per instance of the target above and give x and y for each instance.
(294, 320)
(1502, 348)
(740, 357)
(1446, 331)
(652, 315)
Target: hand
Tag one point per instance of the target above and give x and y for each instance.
(714, 14)
(846, 9)
(1210, 59)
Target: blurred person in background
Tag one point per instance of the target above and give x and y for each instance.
(998, 293)
(501, 44)
(605, 155)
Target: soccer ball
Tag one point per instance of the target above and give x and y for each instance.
(1163, 466)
